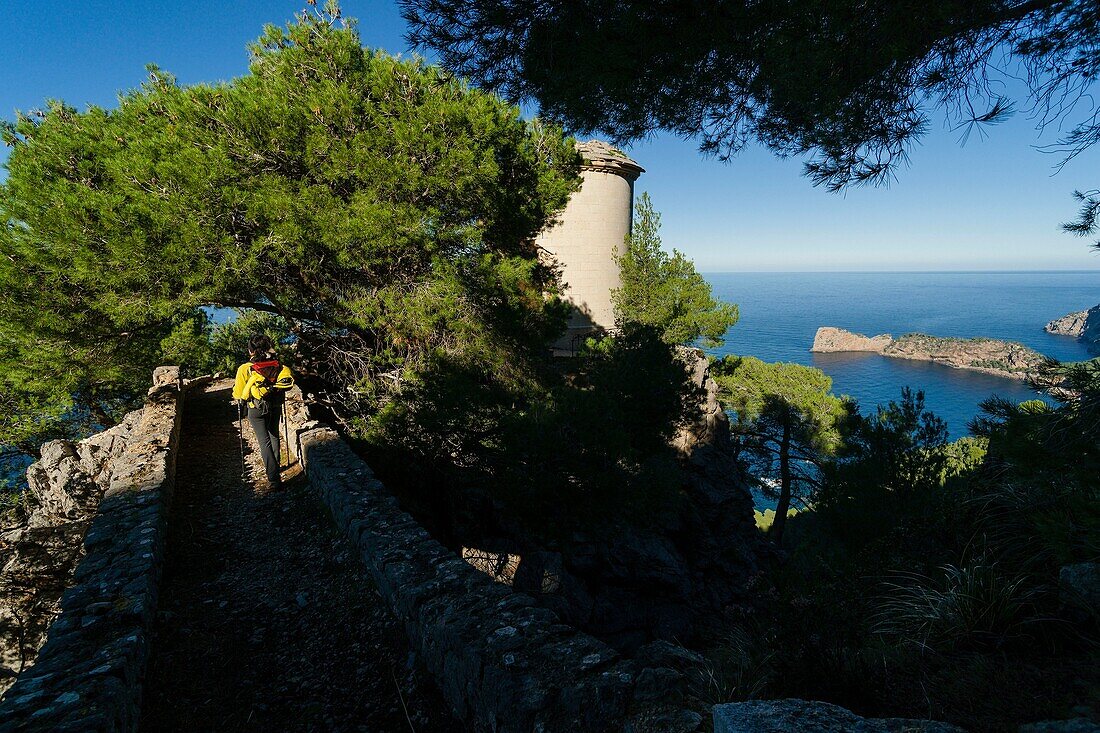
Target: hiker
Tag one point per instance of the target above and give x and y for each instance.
(261, 384)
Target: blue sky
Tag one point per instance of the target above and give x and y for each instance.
(991, 204)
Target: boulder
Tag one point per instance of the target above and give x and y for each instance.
(1074, 725)
(803, 716)
(1079, 586)
(59, 484)
(70, 477)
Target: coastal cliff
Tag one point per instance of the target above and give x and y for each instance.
(1081, 325)
(990, 356)
(1072, 324)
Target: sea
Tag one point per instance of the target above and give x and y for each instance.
(781, 312)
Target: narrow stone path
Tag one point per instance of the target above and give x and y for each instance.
(266, 620)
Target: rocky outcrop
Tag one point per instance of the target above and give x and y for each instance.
(89, 671)
(1091, 335)
(803, 716)
(986, 355)
(1079, 586)
(628, 584)
(70, 478)
(1073, 725)
(1072, 324)
(829, 340)
(1082, 325)
(66, 485)
(37, 568)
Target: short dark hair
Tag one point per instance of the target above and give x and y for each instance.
(260, 343)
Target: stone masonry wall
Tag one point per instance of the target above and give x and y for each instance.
(503, 664)
(89, 672)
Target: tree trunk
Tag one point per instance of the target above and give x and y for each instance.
(103, 420)
(784, 485)
(30, 450)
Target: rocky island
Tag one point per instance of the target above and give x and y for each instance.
(1081, 325)
(991, 356)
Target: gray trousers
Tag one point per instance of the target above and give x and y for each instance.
(265, 423)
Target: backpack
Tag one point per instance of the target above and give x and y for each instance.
(269, 370)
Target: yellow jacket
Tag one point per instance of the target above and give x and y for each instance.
(251, 386)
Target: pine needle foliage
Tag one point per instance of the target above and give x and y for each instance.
(664, 291)
(786, 418)
(852, 86)
(381, 207)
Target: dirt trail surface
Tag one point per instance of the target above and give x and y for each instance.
(266, 620)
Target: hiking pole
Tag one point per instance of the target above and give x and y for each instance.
(240, 434)
(286, 435)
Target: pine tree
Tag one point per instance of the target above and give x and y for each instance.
(380, 206)
(664, 290)
(787, 418)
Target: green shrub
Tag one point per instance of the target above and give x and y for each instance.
(15, 502)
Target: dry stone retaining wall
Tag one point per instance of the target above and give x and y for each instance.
(503, 664)
(89, 673)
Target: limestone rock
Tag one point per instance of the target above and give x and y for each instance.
(1079, 585)
(1072, 324)
(1091, 333)
(164, 376)
(802, 716)
(830, 340)
(59, 484)
(70, 477)
(1082, 325)
(37, 566)
(85, 567)
(712, 424)
(990, 356)
(1073, 725)
(38, 559)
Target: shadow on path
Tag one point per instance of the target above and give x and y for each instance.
(267, 622)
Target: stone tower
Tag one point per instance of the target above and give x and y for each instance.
(589, 232)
